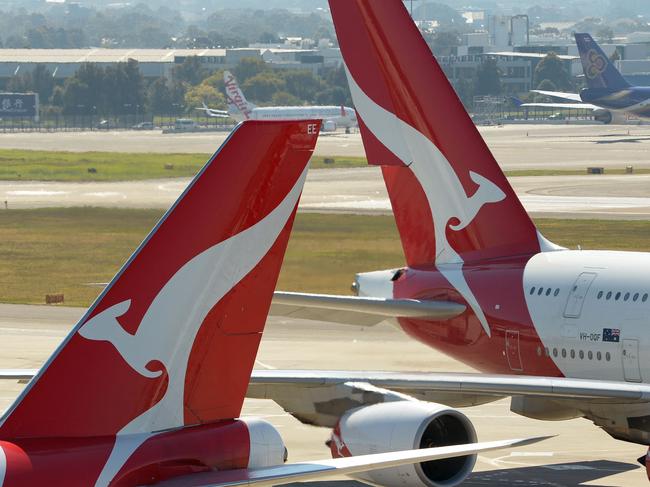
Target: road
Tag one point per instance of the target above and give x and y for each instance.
(580, 454)
(356, 190)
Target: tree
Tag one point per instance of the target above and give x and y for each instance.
(552, 68)
(282, 98)
(190, 71)
(204, 93)
(303, 84)
(263, 86)
(545, 85)
(488, 78)
(159, 97)
(42, 83)
(444, 43)
(249, 67)
(605, 35)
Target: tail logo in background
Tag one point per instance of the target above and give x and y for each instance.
(234, 95)
(597, 64)
(445, 193)
(157, 337)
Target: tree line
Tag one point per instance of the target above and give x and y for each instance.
(121, 88)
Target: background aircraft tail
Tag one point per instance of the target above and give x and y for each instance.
(451, 201)
(599, 70)
(171, 341)
(237, 103)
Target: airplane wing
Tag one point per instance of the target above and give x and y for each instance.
(574, 106)
(492, 384)
(303, 471)
(359, 311)
(17, 374)
(211, 112)
(560, 94)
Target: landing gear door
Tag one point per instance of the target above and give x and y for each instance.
(578, 294)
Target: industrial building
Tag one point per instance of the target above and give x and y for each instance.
(154, 63)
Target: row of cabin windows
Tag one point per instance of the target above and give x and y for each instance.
(620, 295)
(572, 353)
(545, 291)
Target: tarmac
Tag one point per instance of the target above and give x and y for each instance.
(361, 190)
(526, 146)
(580, 454)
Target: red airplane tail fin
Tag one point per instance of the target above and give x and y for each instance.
(171, 341)
(451, 200)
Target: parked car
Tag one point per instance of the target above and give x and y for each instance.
(143, 126)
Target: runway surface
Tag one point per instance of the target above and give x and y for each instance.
(514, 146)
(356, 190)
(581, 454)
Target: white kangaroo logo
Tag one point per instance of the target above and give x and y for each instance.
(170, 325)
(445, 193)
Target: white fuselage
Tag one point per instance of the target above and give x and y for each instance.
(599, 329)
(345, 117)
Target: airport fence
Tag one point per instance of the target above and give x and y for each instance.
(79, 123)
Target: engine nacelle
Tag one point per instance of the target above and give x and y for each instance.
(328, 126)
(267, 448)
(406, 425)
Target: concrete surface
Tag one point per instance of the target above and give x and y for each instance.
(514, 146)
(356, 190)
(581, 454)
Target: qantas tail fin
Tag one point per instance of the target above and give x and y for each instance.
(238, 106)
(599, 70)
(172, 340)
(451, 200)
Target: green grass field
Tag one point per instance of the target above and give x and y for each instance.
(27, 165)
(62, 250)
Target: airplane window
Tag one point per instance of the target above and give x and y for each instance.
(548, 291)
(590, 355)
(636, 296)
(609, 295)
(600, 294)
(608, 356)
(557, 291)
(563, 353)
(645, 297)
(532, 290)
(618, 295)
(554, 352)
(626, 297)
(599, 356)
(581, 354)
(541, 290)
(573, 353)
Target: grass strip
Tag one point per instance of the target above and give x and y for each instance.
(61, 250)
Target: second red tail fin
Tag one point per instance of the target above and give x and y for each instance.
(451, 200)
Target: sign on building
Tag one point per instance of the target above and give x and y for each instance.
(22, 105)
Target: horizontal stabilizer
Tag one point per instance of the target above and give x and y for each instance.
(360, 311)
(303, 471)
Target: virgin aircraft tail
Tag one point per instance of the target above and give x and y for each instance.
(599, 70)
(172, 340)
(451, 201)
(238, 106)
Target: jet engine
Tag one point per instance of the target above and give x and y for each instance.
(328, 126)
(406, 425)
(266, 445)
